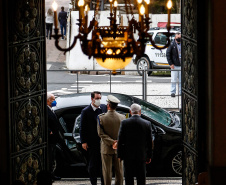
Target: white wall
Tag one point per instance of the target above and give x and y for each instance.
(76, 60)
(155, 18)
(164, 18)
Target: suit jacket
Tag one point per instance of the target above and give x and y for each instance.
(62, 17)
(54, 127)
(88, 128)
(108, 126)
(172, 54)
(135, 139)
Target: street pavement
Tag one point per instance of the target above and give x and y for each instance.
(149, 181)
(53, 55)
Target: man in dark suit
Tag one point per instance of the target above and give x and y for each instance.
(62, 17)
(173, 55)
(53, 133)
(89, 136)
(135, 146)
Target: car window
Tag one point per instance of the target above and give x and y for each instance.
(161, 39)
(150, 33)
(124, 99)
(155, 113)
(67, 117)
(123, 111)
(75, 131)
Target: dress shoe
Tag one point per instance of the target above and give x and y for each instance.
(56, 178)
(173, 95)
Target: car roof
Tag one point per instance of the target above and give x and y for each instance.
(84, 99)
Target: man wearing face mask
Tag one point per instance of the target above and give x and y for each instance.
(173, 55)
(53, 133)
(89, 136)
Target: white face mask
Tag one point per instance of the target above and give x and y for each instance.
(97, 102)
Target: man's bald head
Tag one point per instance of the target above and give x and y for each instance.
(50, 99)
(135, 109)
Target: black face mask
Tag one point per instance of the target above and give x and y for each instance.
(178, 40)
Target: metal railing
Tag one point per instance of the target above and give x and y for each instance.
(145, 94)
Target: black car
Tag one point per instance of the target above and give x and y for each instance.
(166, 126)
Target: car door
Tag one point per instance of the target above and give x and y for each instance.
(67, 118)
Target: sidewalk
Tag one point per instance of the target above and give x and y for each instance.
(149, 181)
(52, 53)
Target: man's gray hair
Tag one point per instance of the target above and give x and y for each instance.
(135, 108)
(49, 95)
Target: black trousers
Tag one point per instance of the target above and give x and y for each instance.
(52, 157)
(95, 165)
(49, 27)
(135, 168)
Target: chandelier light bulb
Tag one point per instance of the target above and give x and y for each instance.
(147, 2)
(139, 1)
(86, 8)
(115, 4)
(81, 3)
(142, 10)
(109, 51)
(110, 1)
(169, 4)
(54, 6)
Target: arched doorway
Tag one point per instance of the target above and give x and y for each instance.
(23, 90)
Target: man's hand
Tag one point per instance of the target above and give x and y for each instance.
(148, 161)
(172, 66)
(84, 146)
(114, 146)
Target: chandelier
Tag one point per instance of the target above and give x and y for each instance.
(113, 46)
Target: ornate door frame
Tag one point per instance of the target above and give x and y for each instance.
(189, 92)
(26, 69)
(24, 78)
(195, 30)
